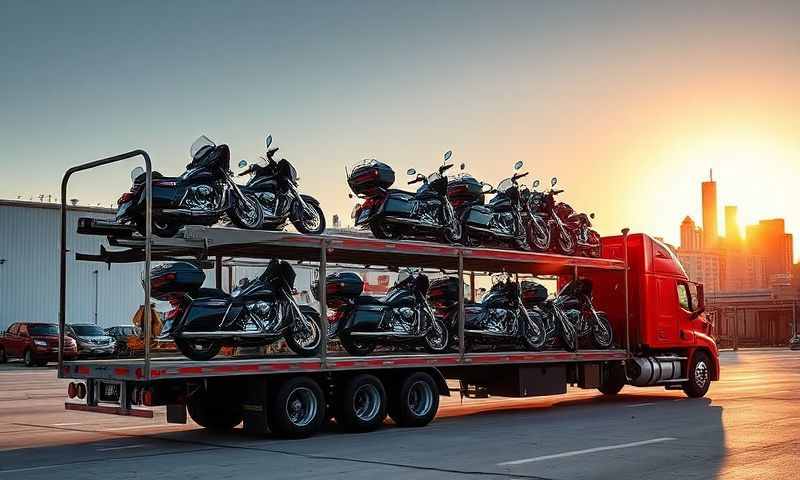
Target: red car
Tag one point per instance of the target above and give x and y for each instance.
(36, 343)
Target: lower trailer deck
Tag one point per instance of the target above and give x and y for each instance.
(176, 368)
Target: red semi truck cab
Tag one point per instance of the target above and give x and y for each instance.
(668, 333)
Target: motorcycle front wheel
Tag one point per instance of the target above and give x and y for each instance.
(453, 233)
(569, 336)
(309, 220)
(437, 338)
(246, 212)
(197, 350)
(602, 335)
(304, 337)
(566, 243)
(538, 235)
(533, 332)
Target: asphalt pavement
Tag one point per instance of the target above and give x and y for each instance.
(748, 427)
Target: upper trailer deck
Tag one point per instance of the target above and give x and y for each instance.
(210, 242)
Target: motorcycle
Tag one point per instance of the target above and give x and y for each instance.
(557, 327)
(256, 313)
(402, 317)
(393, 214)
(572, 230)
(201, 196)
(499, 318)
(274, 188)
(505, 219)
(575, 300)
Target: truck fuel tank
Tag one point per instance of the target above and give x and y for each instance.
(646, 371)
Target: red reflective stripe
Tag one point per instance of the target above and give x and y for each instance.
(190, 370)
(84, 370)
(120, 371)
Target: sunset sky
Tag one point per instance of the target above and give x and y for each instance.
(629, 104)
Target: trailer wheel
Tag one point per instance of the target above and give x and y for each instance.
(415, 402)
(361, 406)
(215, 409)
(699, 376)
(296, 408)
(614, 380)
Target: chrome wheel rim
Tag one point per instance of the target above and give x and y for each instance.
(437, 336)
(420, 398)
(701, 374)
(601, 333)
(366, 402)
(247, 211)
(301, 406)
(534, 331)
(311, 218)
(307, 336)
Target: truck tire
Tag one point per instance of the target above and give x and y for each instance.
(296, 408)
(614, 380)
(361, 405)
(217, 409)
(415, 401)
(699, 375)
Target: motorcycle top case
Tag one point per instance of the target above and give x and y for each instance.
(365, 179)
(175, 278)
(465, 188)
(444, 291)
(343, 284)
(533, 293)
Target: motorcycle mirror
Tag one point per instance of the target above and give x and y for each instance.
(591, 215)
(536, 183)
(553, 181)
(463, 166)
(268, 140)
(136, 172)
(349, 195)
(411, 171)
(518, 165)
(242, 163)
(447, 155)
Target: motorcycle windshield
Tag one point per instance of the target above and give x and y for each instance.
(201, 146)
(505, 185)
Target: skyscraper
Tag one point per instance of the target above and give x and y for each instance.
(710, 232)
(768, 238)
(691, 236)
(733, 236)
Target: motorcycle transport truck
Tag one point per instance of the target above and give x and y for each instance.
(660, 336)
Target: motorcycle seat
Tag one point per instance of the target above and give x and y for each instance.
(368, 300)
(396, 190)
(156, 175)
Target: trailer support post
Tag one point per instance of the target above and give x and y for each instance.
(625, 232)
(472, 286)
(218, 272)
(323, 305)
(461, 339)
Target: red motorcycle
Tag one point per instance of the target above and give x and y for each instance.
(572, 232)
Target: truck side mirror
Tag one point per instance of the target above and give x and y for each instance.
(701, 302)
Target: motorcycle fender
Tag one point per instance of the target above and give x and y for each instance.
(204, 315)
(363, 318)
(479, 216)
(398, 205)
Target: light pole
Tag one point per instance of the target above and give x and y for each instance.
(96, 274)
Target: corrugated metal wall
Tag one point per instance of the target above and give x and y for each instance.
(29, 240)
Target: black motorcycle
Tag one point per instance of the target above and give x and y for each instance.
(500, 318)
(401, 318)
(394, 214)
(274, 186)
(201, 196)
(575, 300)
(256, 313)
(558, 329)
(505, 220)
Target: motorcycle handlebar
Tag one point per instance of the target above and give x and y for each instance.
(271, 152)
(517, 177)
(444, 167)
(556, 192)
(245, 171)
(414, 181)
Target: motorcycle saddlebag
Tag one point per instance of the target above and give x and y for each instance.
(444, 291)
(174, 279)
(399, 205)
(533, 293)
(465, 189)
(479, 216)
(367, 178)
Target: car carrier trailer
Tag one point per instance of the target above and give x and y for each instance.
(293, 396)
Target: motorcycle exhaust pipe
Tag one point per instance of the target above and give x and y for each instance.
(385, 334)
(227, 334)
(486, 333)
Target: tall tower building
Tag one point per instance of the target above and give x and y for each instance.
(691, 236)
(733, 236)
(710, 232)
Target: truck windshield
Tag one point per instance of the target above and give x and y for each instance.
(43, 329)
(88, 330)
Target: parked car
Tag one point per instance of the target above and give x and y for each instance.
(92, 340)
(122, 335)
(36, 343)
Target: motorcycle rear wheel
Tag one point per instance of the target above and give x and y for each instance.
(385, 231)
(356, 347)
(198, 350)
(160, 229)
(246, 213)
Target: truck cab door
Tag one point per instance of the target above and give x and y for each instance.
(685, 313)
